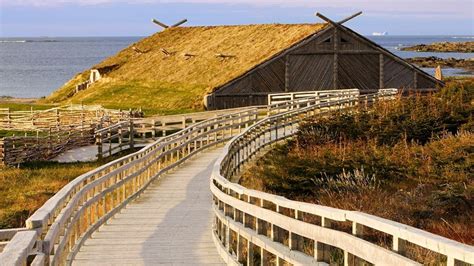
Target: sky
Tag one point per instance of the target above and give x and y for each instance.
(34, 18)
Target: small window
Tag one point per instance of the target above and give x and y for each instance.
(328, 40)
(344, 40)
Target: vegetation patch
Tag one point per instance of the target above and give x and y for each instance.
(459, 47)
(409, 160)
(19, 106)
(23, 190)
(433, 61)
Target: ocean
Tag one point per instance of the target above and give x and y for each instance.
(35, 67)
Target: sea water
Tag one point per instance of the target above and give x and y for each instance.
(35, 67)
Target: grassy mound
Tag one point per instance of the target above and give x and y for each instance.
(142, 75)
(411, 160)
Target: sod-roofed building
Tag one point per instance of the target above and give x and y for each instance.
(219, 67)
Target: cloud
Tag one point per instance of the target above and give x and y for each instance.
(439, 8)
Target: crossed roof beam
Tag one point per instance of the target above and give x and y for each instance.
(335, 24)
(339, 23)
(164, 26)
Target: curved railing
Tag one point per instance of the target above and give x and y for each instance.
(63, 223)
(57, 230)
(67, 219)
(253, 227)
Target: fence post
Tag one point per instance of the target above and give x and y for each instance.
(98, 141)
(9, 121)
(2, 152)
(109, 136)
(398, 245)
(120, 136)
(57, 118)
(32, 117)
(130, 135)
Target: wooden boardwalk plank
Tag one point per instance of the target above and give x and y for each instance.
(169, 224)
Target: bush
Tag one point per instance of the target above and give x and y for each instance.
(416, 118)
(410, 160)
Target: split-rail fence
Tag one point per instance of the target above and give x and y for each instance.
(43, 134)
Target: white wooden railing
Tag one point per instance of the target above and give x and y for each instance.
(275, 98)
(65, 221)
(253, 227)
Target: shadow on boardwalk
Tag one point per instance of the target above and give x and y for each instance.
(169, 224)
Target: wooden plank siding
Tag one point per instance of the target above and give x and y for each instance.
(310, 72)
(397, 75)
(359, 71)
(330, 59)
(270, 78)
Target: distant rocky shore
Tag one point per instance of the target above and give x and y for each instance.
(433, 61)
(445, 47)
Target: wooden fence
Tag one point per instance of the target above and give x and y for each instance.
(17, 150)
(68, 218)
(60, 117)
(160, 126)
(114, 138)
(276, 98)
(270, 225)
(46, 134)
(124, 135)
(256, 227)
(53, 219)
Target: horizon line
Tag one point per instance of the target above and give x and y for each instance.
(121, 36)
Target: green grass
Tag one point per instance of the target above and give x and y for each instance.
(23, 190)
(410, 160)
(14, 106)
(152, 97)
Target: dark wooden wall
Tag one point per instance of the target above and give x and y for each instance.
(332, 59)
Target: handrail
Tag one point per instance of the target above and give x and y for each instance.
(19, 248)
(127, 134)
(72, 214)
(276, 98)
(67, 219)
(249, 221)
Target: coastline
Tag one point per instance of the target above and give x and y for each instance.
(443, 47)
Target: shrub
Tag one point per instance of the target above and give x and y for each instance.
(409, 160)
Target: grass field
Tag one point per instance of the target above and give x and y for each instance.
(23, 190)
(411, 160)
(19, 106)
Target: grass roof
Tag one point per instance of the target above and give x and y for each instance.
(177, 83)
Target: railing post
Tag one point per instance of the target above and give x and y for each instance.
(398, 245)
(450, 261)
(357, 229)
(120, 136)
(109, 136)
(130, 136)
(98, 142)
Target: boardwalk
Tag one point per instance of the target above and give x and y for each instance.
(87, 153)
(169, 224)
